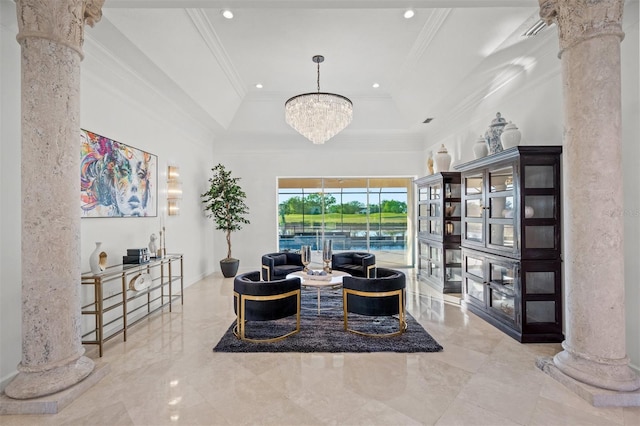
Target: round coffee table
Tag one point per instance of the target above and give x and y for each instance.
(334, 280)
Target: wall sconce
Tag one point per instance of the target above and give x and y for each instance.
(174, 190)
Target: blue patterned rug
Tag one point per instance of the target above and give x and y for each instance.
(325, 332)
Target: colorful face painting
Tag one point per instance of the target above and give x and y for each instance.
(116, 180)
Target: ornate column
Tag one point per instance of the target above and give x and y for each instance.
(594, 351)
(51, 35)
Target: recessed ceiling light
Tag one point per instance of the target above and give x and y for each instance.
(409, 13)
(227, 14)
(376, 85)
(259, 86)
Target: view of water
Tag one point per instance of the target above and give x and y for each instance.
(341, 243)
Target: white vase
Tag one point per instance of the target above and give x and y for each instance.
(442, 159)
(510, 136)
(480, 148)
(94, 259)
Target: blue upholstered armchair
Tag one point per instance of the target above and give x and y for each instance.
(256, 300)
(380, 296)
(359, 264)
(276, 266)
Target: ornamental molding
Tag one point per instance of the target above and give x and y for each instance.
(61, 21)
(581, 20)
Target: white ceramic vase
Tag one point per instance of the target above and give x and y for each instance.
(510, 136)
(442, 159)
(480, 148)
(94, 259)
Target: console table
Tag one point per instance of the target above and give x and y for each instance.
(114, 307)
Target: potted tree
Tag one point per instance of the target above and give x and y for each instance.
(224, 203)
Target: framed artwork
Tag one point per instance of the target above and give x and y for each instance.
(116, 180)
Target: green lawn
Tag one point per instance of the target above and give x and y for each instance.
(385, 218)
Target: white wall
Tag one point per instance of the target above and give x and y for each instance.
(135, 117)
(10, 195)
(631, 175)
(259, 162)
(114, 104)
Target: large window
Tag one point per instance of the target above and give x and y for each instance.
(357, 214)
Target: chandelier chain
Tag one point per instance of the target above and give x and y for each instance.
(318, 76)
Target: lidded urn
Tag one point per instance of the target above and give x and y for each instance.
(480, 148)
(492, 135)
(442, 159)
(510, 136)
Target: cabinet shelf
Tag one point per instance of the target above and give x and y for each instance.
(114, 308)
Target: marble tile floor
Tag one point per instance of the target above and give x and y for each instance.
(167, 374)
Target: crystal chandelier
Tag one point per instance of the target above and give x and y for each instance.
(318, 116)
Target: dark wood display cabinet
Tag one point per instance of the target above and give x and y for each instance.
(511, 241)
(439, 256)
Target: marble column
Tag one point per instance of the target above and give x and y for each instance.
(51, 35)
(594, 352)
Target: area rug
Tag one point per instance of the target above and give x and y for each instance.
(325, 332)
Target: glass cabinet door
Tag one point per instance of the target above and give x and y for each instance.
(503, 278)
(435, 191)
(423, 194)
(473, 208)
(423, 209)
(435, 218)
(474, 282)
(474, 184)
(435, 262)
(423, 258)
(502, 304)
(475, 266)
(501, 218)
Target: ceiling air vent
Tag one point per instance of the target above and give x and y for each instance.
(428, 120)
(535, 29)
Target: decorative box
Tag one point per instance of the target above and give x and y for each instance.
(138, 251)
(136, 256)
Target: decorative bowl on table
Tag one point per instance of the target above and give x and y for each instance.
(318, 275)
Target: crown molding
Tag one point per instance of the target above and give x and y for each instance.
(429, 30)
(203, 25)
